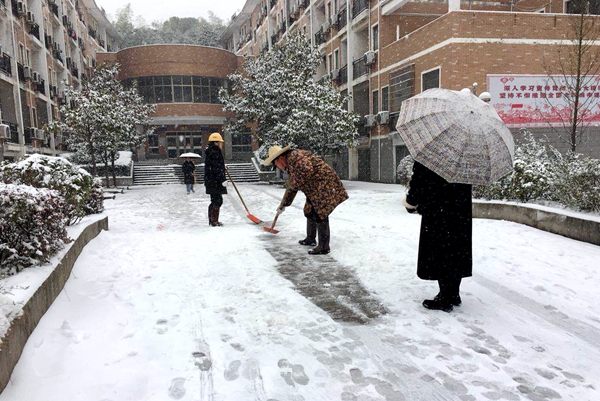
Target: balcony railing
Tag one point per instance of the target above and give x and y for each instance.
(359, 68)
(14, 133)
(342, 19)
(5, 65)
(21, 72)
(320, 37)
(40, 86)
(53, 7)
(343, 78)
(34, 29)
(359, 6)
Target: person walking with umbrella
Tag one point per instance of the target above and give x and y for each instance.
(320, 183)
(189, 177)
(214, 177)
(456, 140)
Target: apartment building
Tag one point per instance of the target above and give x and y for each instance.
(381, 52)
(45, 45)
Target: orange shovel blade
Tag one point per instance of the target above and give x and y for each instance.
(270, 230)
(254, 219)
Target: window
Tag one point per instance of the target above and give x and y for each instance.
(402, 85)
(375, 102)
(385, 106)
(178, 88)
(430, 79)
(336, 59)
(375, 37)
(582, 7)
(241, 142)
(330, 62)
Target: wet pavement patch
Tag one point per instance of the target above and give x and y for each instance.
(326, 283)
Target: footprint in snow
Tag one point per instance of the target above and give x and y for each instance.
(202, 361)
(292, 373)
(161, 326)
(177, 389)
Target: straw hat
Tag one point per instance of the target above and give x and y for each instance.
(274, 152)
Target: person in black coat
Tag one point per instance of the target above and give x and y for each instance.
(189, 168)
(445, 242)
(214, 177)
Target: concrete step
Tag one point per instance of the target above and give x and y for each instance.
(161, 174)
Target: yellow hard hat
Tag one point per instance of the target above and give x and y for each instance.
(215, 137)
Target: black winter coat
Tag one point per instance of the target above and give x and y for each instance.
(214, 170)
(445, 243)
(188, 169)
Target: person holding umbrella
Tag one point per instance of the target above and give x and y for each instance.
(321, 185)
(214, 177)
(189, 177)
(456, 140)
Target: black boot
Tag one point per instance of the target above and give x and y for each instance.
(448, 297)
(323, 231)
(311, 233)
(216, 211)
(210, 215)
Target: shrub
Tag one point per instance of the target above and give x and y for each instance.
(578, 183)
(32, 226)
(404, 170)
(95, 201)
(39, 171)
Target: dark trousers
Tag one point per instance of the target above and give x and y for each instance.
(216, 200)
(449, 287)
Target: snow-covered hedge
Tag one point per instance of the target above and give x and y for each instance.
(541, 173)
(72, 183)
(32, 226)
(95, 202)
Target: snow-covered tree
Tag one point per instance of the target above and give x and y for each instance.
(277, 96)
(102, 117)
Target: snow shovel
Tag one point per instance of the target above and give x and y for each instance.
(271, 229)
(254, 219)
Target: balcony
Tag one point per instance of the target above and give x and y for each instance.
(342, 19)
(53, 7)
(5, 65)
(34, 29)
(21, 72)
(14, 133)
(343, 77)
(359, 68)
(320, 37)
(358, 6)
(40, 86)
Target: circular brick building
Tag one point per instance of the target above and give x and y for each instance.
(183, 81)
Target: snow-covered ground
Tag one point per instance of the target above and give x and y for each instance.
(164, 307)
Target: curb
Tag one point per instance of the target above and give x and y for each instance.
(562, 224)
(34, 309)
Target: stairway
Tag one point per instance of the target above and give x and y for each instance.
(147, 174)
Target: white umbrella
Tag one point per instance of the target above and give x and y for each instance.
(457, 136)
(190, 154)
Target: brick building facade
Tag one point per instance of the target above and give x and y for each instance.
(383, 51)
(44, 45)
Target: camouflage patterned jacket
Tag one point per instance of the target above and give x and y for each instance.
(319, 182)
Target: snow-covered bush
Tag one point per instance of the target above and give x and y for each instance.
(533, 175)
(404, 170)
(40, 171)
(542, 174)
(32, 226)
(578, 183)
(95, 202)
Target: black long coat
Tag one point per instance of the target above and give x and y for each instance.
(214, 170)
(445, 243)
(188, 169)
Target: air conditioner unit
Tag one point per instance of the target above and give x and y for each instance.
(383, 117)
(30, 17)
(21, 8)
(334, 74)
(39, 134)
(333, 20)
(4, 131)
(35, 77)
(325, 27)
(369, 120)
(370, 57)
(27, 72)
